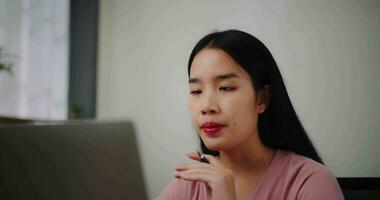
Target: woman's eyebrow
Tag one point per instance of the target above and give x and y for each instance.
(218, 78)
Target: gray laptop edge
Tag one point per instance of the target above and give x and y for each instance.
(86, 160)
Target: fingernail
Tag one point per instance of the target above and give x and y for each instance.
(189, 154)
(176, 174)
(180, 167)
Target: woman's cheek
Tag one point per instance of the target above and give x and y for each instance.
(234, 121)
(193, 108)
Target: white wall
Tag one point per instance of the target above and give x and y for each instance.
(36, 33)
(10, 34)
(327, 51)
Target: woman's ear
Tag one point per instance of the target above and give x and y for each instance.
(264, 98)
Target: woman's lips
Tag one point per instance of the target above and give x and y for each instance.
(212, 128)
(213, 131)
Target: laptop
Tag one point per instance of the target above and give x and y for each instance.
(84, 160)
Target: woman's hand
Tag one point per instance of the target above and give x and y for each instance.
(219, 180)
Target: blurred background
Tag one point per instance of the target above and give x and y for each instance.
(127, 59)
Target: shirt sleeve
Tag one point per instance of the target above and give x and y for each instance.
(171, 192)
(320, 185)
(179, 189)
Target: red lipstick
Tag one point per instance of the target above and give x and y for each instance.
(212, 128)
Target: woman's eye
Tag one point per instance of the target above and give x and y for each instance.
(227, 88)
(195, 92)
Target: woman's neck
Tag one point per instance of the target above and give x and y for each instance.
(249, 157)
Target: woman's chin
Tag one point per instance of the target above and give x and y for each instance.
(214, 145)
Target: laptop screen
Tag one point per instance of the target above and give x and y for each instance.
(84, 160)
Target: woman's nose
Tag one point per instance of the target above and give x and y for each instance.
(209, 105)
(208, 111)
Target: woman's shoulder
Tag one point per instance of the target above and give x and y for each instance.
(300, 164)
(311, 178)
(182, 189)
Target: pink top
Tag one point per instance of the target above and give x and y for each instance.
(289, 176)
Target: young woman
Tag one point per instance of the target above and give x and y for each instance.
(254, 142)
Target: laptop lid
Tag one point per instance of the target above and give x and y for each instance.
(87, 160)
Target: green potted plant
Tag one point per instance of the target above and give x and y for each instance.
(4, 65)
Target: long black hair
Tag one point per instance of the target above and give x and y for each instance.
(279, 126)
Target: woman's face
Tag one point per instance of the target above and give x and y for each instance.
(221, 92)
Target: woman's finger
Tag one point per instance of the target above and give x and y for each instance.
(210, 158)
(195, 175)
(193, 155)
(182, 167)
(213, 160)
